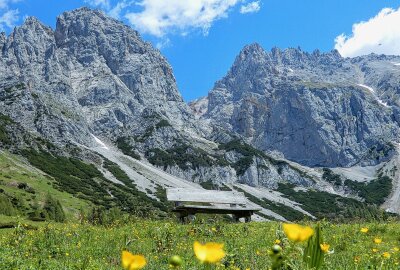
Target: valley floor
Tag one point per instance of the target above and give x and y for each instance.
(76, 246)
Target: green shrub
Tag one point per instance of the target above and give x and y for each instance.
(6, 206)
(52, 209)
(118, 173)
(242, 165)
(249, 152)
(4, 135)
(163, 123)
(184, 156)
(210, 185)
(375, 191)
(126, 148)
(326, 205)
(331, 177)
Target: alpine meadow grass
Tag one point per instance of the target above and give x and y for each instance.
(216, 245)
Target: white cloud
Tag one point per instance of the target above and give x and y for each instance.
(380, 34)
(5, 3)
(250, 7)
(98, 3)
(115, 12)
(163, 43)
(159, 17)
(9, 19)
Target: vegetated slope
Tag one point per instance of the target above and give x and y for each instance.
(26, 187)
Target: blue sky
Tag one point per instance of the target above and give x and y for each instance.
(201, 38)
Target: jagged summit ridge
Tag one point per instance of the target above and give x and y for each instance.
(94, 64)
(319, 109)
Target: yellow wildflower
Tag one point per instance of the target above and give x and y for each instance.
(297, 233)
(364, 230)
(377, 240)
(324, 247)
(209, 253)
(132, 262)
(375, 250)
(386, 255)
(277, 241)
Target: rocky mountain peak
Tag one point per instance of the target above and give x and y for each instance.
(254, 54)
(296, 57)
(253, 49)
(28, 45)
(32, 26)
(250, 54)
(114, 81)
(88, 33)
(318, 109)
(85, 21)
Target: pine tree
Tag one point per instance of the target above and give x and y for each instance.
(53, 210)
(6, 206)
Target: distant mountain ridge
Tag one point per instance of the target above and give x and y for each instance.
(318, 109)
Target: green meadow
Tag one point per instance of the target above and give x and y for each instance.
(34, 245)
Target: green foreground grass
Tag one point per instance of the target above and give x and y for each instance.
(77, 246)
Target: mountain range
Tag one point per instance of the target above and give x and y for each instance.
(96, 111)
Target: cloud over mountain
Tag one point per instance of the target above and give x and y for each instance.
(380, 34)
(8, 17)
(159, 16)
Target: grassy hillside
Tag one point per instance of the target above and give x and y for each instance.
(19, 181)
(247, 246)
(77, 187)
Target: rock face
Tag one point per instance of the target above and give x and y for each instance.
(94, 79)
(317, 109)
(199, 107)
(92, 74)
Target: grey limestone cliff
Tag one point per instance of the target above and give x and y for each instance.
(318, 109)
(92, 74)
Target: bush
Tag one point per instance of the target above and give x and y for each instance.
(374, 192)
(52, 209)
(331, 177)
(326, 205)
(4, 122)
(184, 156)
(249, 152)
(163, 123)
(115, 170)
(6, 206)
(126, 148)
